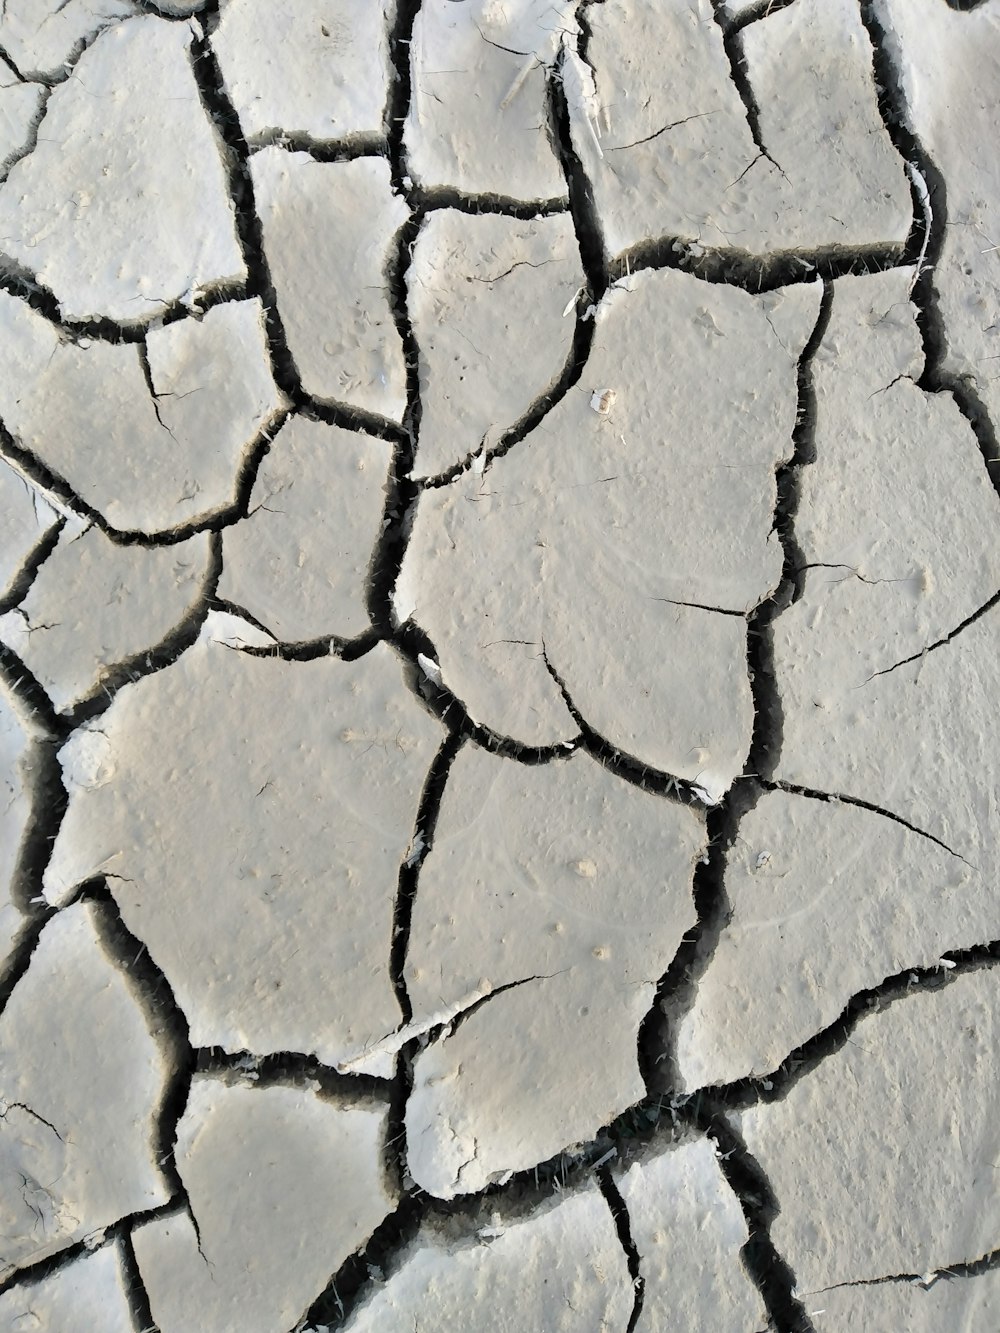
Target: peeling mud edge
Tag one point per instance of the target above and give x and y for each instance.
(895, 116)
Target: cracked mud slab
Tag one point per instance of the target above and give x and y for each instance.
(831, 1144)
(296, 828)
(499, 578)
(72, 1163)
(262, 1168)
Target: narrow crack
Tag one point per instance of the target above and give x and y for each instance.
(428, 809)
(7, 1107)
(816, 794)
(732, 44)
(135, 1289)
(31, 1273)
(426, 199)
(288, 1069)
(349, 1284)
(623, 765)
(347, 149)
(568, 377)
(31, 141)
(46, 479)
(221, 114)
(583, 209)
(619, 1212)
(938, 643)
(148, 661)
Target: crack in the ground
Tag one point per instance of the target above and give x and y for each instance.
(930, 198)
(114, 1232)
(657, 1114)
(732, 44)
(347, 149)
(623, 765)
(770, 1273)
(623, 1226)
(938, 643)
(758, 273)
(20, 585)
(803, 1059)
(815, 794)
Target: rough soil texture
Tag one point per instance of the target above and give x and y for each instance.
(499, 746)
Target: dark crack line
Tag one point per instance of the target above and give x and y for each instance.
(753, 14)
(46, 479)
(676, 989)
(26, 687)
(768, 1270)
(18, 281)
(582, 207)
(348, 148)
(619, 1212)
(154, 996)
(815, 794)
(700, 606)
(443, 1031)
(7, 1107)
(800, 1062)
(427, 199)
(624, 765)
(31, 141)
(732, 44)
(20, 585)
(290, 1069)
(347, 1287)
(428, 809)
(568, 378)
(135, 1289)
(698, 115)
(409, 640)
(938, 643)
(147, 661)
(221, 114)
(925, 245)
(755, 273)
(37, 1271)
(348, 649)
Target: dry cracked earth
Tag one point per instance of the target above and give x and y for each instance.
(500, 544)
